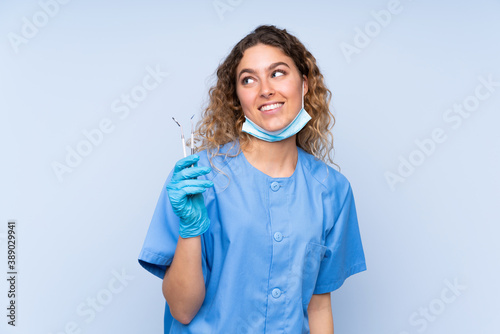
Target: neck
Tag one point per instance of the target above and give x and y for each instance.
(276, 159)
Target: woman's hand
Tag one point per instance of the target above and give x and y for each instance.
(185, 194)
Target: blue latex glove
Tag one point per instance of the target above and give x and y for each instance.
(185, 194)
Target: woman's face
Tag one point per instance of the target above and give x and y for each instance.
(268, 85)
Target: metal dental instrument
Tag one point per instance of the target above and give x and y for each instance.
(183, 139)
(192, 136)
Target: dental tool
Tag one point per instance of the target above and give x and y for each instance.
(182, 136)
(192, 136)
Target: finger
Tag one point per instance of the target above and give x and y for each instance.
(186, 162)
(191, 173)
(178, 185)
(193, 190)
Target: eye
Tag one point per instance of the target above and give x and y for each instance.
(278, 73)
(246, 80)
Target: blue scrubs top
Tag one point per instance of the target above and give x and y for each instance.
(271, 244)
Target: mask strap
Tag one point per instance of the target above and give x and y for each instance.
(302, 93)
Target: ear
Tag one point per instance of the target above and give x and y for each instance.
(306, 85)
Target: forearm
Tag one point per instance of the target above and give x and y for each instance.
(320, 315)
(321, 322)
(183, 285)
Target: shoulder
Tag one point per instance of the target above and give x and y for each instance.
(328, 177)
(219, 159)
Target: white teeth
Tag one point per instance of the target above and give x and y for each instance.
(271, 106)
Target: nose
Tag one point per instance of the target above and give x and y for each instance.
(266, 89)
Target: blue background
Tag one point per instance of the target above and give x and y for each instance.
(79, 231)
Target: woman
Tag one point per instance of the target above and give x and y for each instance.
(252, 233)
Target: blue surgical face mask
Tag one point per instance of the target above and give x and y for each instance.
(295, 126)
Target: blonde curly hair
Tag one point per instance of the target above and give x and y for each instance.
(223, 118)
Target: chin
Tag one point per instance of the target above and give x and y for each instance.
(276, 127)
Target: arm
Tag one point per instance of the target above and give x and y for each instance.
(183, 285)
(320, 314)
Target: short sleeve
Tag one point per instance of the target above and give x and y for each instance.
(344, 255)
(161, 239)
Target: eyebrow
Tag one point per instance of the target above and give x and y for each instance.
(269, 68)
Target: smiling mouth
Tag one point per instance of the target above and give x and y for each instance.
(269, 107)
